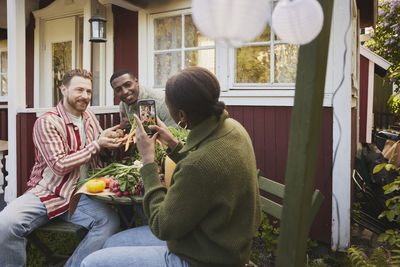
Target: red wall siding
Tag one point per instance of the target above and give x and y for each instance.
(364, 63)
(30, 37)
(125, 41)
(25, 149)
(353, 136)
(4, 124)
(269, 129)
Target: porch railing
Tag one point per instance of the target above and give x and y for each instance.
(107, 116)
(3, 154)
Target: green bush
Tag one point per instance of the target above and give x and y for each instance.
(386, 38)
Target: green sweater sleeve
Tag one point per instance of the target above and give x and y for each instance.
(187, 199)
(174, 153)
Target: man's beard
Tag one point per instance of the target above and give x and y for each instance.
(74, 104)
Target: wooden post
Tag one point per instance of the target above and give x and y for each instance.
(16, 86)
(303, 146)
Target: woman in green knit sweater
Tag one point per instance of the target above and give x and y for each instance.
(211, 210)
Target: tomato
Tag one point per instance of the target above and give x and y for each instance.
(106, 180)
(95, 185)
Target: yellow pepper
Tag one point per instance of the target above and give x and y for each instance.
(95, 185)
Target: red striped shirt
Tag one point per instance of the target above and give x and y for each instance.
(59, 155)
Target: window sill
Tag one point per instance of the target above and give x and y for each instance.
(264, 98)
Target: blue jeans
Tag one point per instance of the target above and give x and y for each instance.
(134, 247)
(27, 212)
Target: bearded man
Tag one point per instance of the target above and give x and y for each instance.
(67, 140)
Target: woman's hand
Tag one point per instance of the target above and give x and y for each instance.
(144, 143)
(164, 135)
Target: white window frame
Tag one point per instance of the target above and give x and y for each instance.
(231, 94)
(5, 97)
(258, 86)
(182, 49)
(225, 66)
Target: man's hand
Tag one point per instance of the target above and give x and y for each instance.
(107, 142)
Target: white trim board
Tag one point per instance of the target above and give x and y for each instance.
(121, 3)
(339, 79)
(378, 60)
(274, 98)
(16, 85)
(370, 102)
(94, 109)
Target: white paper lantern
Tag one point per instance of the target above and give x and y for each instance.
(297, 21)
(231, 22)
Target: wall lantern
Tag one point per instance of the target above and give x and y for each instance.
(231, 22)
(297, 21)
(97, 29)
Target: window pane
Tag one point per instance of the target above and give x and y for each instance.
(167, 33)
(165, 65)
(253, 64)
(193, 37)
(203, 58)
(285, 63)
(265, 36)
(4, 62)
(4, 87)
(62, 62)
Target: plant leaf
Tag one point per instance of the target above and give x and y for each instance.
(378, 168)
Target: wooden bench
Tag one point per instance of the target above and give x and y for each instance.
(278, 190)
(57, 226)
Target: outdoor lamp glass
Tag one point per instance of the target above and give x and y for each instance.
(231, 22)
(297, 21)
(98, 29)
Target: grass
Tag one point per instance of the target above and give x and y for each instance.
(60, 243)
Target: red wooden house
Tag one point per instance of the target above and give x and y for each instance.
(155, 39)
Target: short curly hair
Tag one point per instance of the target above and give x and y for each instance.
(76, 72)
